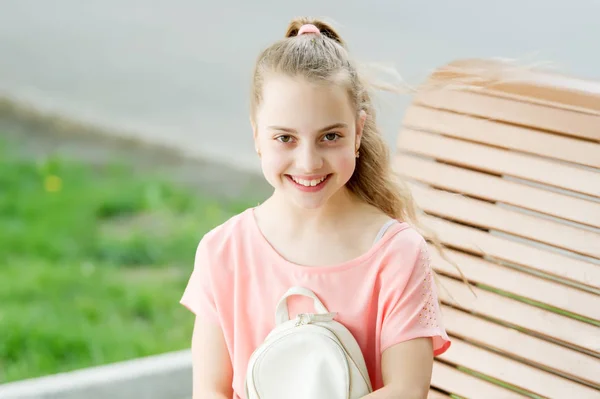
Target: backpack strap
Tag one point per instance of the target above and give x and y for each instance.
(281, 312)
(383, 229)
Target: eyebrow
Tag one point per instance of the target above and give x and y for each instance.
(330, 127)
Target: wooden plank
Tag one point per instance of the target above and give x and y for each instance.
(452, 380)
(572, 123)
(492, 188)
(437, 395)
(552, 325)
(488, 159)
(521, 83)
(517, 344)
(521, 284)
(480, 243)
(503, 135)
(515, 373)
(491, 217)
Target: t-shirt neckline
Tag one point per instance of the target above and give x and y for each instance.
(274, 254)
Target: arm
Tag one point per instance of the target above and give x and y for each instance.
(406, 369)
(413, 329)
(212, 370)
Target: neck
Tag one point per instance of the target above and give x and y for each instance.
(324, 218)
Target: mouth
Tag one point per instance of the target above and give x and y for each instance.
(309, 184)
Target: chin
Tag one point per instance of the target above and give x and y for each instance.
(309, 204)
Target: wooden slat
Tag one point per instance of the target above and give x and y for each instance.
(489, 216)
(481, 243)
(540, 321)
(517, 344)
(538, 289)
(437, 395)
(503, 135)
(451, 380)
(515, 373)
(557, 120)
(499, 161)
(492, 188)
(521, 83)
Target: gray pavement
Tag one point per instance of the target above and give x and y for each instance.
(177, 72)
(38, 137)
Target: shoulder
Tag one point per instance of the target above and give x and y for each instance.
(406, 240)
(221, 239)
(404, 250)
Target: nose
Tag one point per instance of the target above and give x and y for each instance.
(309, 159)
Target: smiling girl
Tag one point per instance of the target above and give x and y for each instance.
(336, 224)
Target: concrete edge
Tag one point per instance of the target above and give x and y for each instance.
(161, 376)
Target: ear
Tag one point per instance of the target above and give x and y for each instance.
(360, 125)
(254, 133)
(254, 128)
(255, 136)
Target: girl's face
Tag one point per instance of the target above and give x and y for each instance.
(307, 136)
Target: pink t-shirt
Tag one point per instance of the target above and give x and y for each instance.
(383, 297)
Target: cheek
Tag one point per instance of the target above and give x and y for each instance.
(345, 162)
(274, 161)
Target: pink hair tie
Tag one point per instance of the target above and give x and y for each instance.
(309, 28)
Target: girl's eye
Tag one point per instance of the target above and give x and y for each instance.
(284, 138)
(331, 136)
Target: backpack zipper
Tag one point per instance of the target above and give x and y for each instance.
(309, 318)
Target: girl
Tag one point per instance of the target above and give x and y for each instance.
(335, 223)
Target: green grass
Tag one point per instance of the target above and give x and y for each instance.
(93, 262)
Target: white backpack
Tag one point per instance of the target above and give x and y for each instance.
(312, 356)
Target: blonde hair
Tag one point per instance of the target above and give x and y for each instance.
(324, 58)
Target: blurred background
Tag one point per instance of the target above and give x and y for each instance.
(124, 137)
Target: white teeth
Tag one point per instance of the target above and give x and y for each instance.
(309, 183)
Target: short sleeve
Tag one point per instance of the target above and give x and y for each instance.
(412, 310)
(198, 295)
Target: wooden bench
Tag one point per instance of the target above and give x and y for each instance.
(507, 170)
